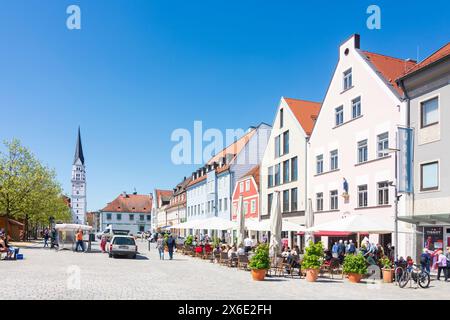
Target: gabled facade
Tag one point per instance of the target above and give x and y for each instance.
(162, 201)
(427, 90)
(130, 212)
(210, 191)
(176, 210)
(283, 167)
(248, 188)
(350, 165)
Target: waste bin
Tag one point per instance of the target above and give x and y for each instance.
(92, 237)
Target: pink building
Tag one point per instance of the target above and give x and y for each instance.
(248, 188)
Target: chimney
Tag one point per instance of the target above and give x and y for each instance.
(124, 194)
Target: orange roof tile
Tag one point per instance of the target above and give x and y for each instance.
(130, 203)
(305, 111)
(234, 149)
(389, 67)
(439, 54)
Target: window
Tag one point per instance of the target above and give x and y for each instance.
(286, 175)
(108, 216)
(319, 164)
(339, 111)
(277, 147)
(383, 144)
(247, 185)
(220, 204)
(429, 176)
(225, 204)
(245, 208)
(141, 228)
(253, 206)
(356, 107)
(119, 216)
(294, 197)
(281, 118)
(269, 202)
(383, 193)
(334, 161)
(241, 187)
(270, 177)
(362, 196)
(286, 201)
(334, 205)
(294, 169)
(286, 142)
(429, 112)
(141, 217)
(348, 81)
(319, 201)
(362, 151)
(277, 175)
(148, 217)
(131, 217)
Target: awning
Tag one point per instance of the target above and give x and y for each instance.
(333, 234)
(72, 227)
(264, 225)
(432, 219)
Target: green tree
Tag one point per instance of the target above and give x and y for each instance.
(28, 189)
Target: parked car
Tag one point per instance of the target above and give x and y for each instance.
(121, 245)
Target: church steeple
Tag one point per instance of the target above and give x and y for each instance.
(78, 150)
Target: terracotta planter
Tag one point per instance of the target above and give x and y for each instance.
(259, 275)
(388, 275)
(355, 277)
(312, 275)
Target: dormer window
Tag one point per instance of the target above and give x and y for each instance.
(348, 81)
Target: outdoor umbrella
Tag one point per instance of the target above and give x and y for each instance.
(357, 223)
(240, 222)
(215, 223)
(264, 225)
(275, 226)
(309, 221)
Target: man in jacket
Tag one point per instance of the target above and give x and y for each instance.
(171, 245)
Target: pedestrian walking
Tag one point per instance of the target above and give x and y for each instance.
(103, 243)
(54, 239)
(170, 246)
(334, 250)
(442, 265)
(46, 237)
(425, 260)
(160, 247)
(79, 239)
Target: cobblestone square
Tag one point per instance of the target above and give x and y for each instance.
(47, 274)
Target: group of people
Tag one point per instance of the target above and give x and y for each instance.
(437, 259)
(162, 243)
(6, 247)
(51, 235)
(371, 251)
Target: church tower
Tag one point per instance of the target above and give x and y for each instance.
(78, 199)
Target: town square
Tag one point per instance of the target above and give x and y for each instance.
(212, 151)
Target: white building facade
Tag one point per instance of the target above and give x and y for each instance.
(210, 191)
(351, 169)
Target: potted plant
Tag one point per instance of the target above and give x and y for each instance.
(388, 270)
(189, 240)
(312, 260)
(260, 262)
(355, 267)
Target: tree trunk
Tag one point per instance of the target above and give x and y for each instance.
(25, 236)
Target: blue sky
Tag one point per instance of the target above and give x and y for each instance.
(139, 69)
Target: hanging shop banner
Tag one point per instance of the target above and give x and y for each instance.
(405, 160)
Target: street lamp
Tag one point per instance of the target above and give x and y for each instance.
(397, 198)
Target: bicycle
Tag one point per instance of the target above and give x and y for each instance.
(415, 274)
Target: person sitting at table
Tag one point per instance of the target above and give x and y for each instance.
(328, 255)
(241, 251)
(286, 252)
(208, 247)
(231, 252)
